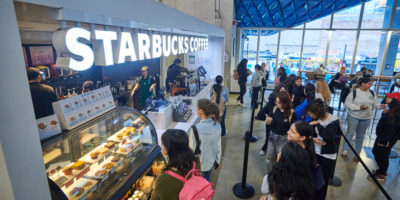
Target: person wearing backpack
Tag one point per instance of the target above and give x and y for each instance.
(360, 104)
(220, 95)
(256, 84)
(174, 146)
(280, 120)
(209, 134)
(243, 73)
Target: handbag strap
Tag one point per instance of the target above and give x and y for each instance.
(198, 142)
(173, 174)
(194, 171)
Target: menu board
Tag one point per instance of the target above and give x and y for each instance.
(79, 109)
(41, 55)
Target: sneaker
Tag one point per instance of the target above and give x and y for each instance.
(262, 153)
(375, 171)
(344, 154)
(237, 102)
(242, 105)
(335, 181)
(379, 177)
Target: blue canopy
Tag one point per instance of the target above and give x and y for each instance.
(286, 13)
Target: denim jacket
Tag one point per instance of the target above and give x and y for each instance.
(210, 137)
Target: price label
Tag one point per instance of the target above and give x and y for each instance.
(69, 183)
(105, 177)
(82, 173)
(100, 161)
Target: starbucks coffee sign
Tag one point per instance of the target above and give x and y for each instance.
(110, 47)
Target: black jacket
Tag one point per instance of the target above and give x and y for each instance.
(242, 71)
(42, 98)
(331, 135)
(386, 131)
(267, 109)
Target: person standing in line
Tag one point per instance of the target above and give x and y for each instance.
(280, 119)
(281, 76)
(323, 92)
(209, 130)
(175, 146)
(359, 103)
(220, 95)
(298, 92)
(326, 139)
(256, 84)
(42, 95)
(261, 115)
(290, 178)
(242, 71)
(309, 96)
(301, 133)
(387, 134)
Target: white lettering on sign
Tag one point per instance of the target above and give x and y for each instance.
(78, 48)
(106, 37)
(126, 48)
(110, 47)
(174, 48)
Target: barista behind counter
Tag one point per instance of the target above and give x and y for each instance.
(173, 72)
(145, 85)
(42, 95)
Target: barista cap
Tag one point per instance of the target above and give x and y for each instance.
(33, 73)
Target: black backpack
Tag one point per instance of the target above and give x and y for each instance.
(355, 94)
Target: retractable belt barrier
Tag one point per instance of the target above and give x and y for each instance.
(366, 168)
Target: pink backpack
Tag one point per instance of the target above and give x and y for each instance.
(195, 188)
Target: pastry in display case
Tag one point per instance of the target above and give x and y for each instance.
(104, 157)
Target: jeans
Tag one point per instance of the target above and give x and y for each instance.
(206, 174)
(358, 126)
(242, 85)
(223, 128)
(381, 155)
(275, 144)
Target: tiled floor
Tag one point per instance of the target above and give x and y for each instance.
(355, 183)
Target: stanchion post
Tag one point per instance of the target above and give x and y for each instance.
(244, 190)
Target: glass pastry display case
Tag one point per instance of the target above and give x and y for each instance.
(104, 157)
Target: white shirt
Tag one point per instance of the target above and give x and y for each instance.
(362, 98)
(318, 147)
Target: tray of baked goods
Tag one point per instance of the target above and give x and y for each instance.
(122, 134)
(80, 189)
(99, 152)
(101, 170)
(127, 148)
(66, 174)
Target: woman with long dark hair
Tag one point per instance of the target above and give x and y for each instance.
(281, 75)
(290, 83)
(209, 130)
(280, 119)
(387, 134)
(301, 133)
(242, 71)
(326, 139)
(174, 146)
(360, 103)
(220, 96)
(309, 91)
(290, 177)
(261, 115)
(298, 92)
